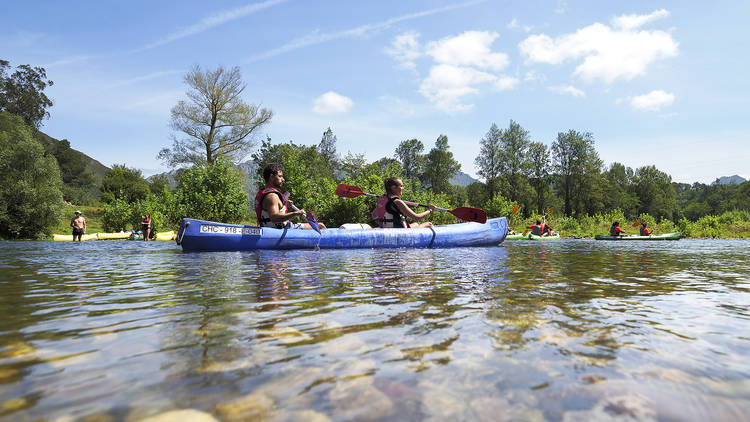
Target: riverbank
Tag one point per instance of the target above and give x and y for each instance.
(730, 225)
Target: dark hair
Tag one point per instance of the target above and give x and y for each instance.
(538, 221)
(272, 168)
(616, 223)
(391, 181)
(643, 223)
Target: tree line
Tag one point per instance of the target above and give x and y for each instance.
(215, 129)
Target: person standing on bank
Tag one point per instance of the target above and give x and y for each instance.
(146, 227)
(78, 223)
(270, 208)
(391, 211)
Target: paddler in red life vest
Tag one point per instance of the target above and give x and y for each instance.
(391, 211)
(644, 230)
(537, 229)
(615, 229)
(270, 208)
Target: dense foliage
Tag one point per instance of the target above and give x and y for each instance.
(124, 183)
(30, 184)
(22, 93)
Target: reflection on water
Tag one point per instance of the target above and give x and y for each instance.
(566, 330)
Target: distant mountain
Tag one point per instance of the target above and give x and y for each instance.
(729, 180)
(462, 179)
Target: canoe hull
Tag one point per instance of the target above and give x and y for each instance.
(199, 235)
(665, 236)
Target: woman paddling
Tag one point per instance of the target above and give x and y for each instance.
(391, 211)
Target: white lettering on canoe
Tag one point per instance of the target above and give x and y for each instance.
(247, 231)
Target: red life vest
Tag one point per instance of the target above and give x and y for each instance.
(262, 215)
(388, 214)
(645, 231)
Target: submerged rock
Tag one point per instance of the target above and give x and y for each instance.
(252, 407)
(183, 415)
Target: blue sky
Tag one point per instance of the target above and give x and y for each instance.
(659, 83)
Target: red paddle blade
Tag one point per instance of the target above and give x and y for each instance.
(348, 191)
(470, 214)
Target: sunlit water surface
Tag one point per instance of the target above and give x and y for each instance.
(527, 331)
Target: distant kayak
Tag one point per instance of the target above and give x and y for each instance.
(665, 236)
(520, 236)
(535, 237)
(165, 236)
(69, 237)
(113, 236)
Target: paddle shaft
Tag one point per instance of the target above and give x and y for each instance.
(414, 204)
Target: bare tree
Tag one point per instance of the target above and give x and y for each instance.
(214, 122)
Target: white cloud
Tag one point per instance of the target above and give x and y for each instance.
(332, 103)
(447, 84)
(461, 64)
(653, 101)
(472, 48)
(607, 53)
(533, 75)
(503, 83)
(567, 89)
(405, 49)
(512, 24)
(629, 22)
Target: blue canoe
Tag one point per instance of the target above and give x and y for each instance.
(199, 235)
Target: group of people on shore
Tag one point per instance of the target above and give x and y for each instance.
(78, 224)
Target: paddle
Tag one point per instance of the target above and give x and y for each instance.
(462, 213)
(310, 217)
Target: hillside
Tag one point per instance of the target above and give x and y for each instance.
(729, 180)
(462, 179)
(97, 169)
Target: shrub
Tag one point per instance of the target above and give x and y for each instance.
(31, 201)
(215, 193)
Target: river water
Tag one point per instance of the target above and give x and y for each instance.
(527, 331)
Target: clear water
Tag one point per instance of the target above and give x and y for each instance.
(563, 330)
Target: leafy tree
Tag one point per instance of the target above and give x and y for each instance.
(158, 184)
(577, 166)
(440, 166)
(124, 183)
(22, 93)
(476, 194)
(215, 193)
(353, 165)
(77, 178)
(539, 173)
(655, 191)
(513, 161)
(409, 152)
(216, 122)
(618, 190)
(31, 200)
(386, 166)
(327, 148)
(489, 159)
